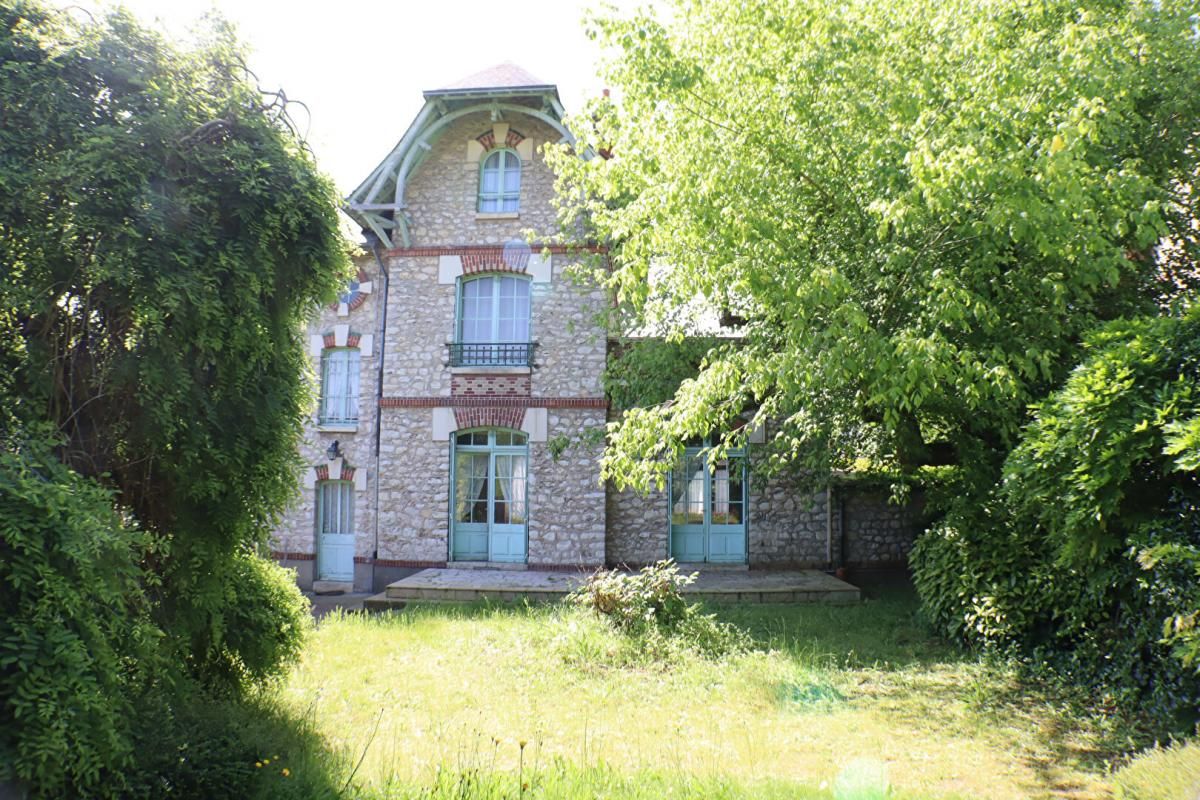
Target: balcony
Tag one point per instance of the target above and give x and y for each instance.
(491, 354)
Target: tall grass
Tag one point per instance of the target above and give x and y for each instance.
(436, 702)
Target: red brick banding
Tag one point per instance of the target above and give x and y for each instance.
(490, 385)
(283, 555)
(463, 249)
(515, 402)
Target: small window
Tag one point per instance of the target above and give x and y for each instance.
(510, 439)
(472, 439)
(493, 323)
(335, 507)
(501, 438)
(500, 182)
(339, 387)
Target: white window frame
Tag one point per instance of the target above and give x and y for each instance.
(341, 495)
(503, 163)
(340, 368)
(491, 348)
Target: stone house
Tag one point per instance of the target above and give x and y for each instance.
(460, 358)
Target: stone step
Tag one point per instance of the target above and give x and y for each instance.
(381, 602)
(332, 587)
(467, 595)
(451, 585)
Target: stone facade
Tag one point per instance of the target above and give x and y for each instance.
(293, 539)
(411, 386)
(878, 533)
(788, 528)
(567, 525)
(637, 527)
(414, 489)
(402, 510)
(443, 190)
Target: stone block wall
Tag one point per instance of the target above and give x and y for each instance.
(878, 533)
(294, 540)
(566, 499)
(788, 527)
(638, 527)
(414, 489)
(420, 323)
(443, 190)
(572, 344)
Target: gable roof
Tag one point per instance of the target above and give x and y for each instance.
(506, 76)
(379, 201)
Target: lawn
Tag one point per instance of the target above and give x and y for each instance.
(830, 702)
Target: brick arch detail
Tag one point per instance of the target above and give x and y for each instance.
(487, 140)
(489, 417)
(495, 259)
(329, 339)
(346, 473)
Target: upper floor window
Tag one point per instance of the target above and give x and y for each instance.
(493, 322)
(500, 182)
(339, 386)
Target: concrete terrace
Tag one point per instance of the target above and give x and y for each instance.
(718, 585)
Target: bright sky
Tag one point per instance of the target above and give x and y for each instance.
(361, 66)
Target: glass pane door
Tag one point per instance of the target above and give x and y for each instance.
(726, 511)
(489, 512)
(507, 536)
(472, 492)
(708, 509)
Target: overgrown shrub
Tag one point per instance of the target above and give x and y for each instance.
(1085, 556)
(634, 600)
(190, 747)
(76, 640)
(649, 608)
(265, 621)
(164, 236)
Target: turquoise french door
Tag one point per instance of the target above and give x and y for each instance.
(335, 531)
(489, 516)
(708, 508)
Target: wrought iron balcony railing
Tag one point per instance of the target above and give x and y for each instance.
(491, 354)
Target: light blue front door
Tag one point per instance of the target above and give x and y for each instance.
(708, 509)
(488, 513)
(335, 531)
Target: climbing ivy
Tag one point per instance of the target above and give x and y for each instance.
(164, 233)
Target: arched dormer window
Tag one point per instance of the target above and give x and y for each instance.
(500, 182)
(493, 322)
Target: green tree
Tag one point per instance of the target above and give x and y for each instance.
(1088, 549)
(916, 208)
(163, 234)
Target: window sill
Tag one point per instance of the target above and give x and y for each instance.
(484, 369)
(485, 215)
(337, 427)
